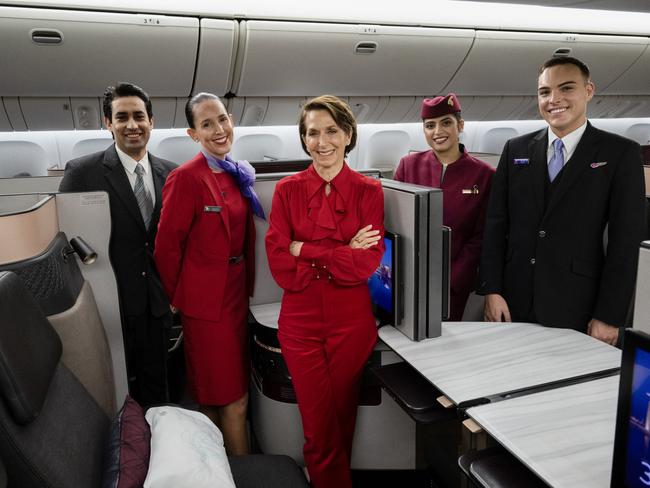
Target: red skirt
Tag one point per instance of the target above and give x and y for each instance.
(216, 353)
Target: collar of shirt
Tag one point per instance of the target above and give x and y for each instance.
(570, 142)
(129, 163)
(340, 183)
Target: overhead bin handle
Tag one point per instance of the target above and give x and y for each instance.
(562, 52)
(365, 47)
(47, 36)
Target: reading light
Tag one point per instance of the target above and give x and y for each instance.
(86, 254)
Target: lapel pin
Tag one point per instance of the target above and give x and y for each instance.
(598, 165)
(520, 161)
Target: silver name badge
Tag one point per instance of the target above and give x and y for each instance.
(212, 208)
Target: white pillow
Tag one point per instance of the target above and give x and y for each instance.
(186, 451)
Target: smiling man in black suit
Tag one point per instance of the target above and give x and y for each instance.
(554, 193)
(133, 179)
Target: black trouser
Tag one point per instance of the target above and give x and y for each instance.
(145, 344)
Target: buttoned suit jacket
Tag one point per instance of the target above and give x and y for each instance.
(131, 244)
(548, 260)
(193, 241)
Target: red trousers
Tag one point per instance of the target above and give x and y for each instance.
(327, 333)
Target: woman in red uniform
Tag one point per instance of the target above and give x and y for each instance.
(324, 242)
(465, 182)
(205, 256)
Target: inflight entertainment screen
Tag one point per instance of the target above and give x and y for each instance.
(382, 284)
(637, 464)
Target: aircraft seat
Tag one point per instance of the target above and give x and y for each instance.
(494, 139)
(383, 149)
(74, 144)
(639, 132)
(89, 146)
(61, 294)
(258, 147)
(52, 432)
(22, 157)
(175, 148)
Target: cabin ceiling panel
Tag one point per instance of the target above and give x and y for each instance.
(216, 57)
(300, 59)
(634, 81)
(47, 113)
(5, 125)
(71, 53)
(14, 113)
(504, 108)
(397, 109)
(180, 121)
(527, 110)
(164, 112)
(283, 110)
(506, 63)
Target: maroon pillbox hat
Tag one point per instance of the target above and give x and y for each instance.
(439, 106)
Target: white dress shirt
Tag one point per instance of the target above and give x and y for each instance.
(570, 142)
(129, 165)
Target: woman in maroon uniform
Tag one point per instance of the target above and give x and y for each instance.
(465, 182)
(324, 241)
(205, 256)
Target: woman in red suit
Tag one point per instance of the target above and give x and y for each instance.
(465, 182)
(205, 256)
(324, 242)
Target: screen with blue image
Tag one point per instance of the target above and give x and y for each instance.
(637, 464)
(381, 281)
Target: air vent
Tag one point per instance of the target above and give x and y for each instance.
(562, 52)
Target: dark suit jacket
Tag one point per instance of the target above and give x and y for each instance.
(131, 245)
(548, 261)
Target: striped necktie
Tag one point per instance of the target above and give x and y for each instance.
(557, 161)
(142, 195)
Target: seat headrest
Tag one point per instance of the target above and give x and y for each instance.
(30, 350)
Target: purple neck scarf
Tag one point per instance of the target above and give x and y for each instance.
(244, 175)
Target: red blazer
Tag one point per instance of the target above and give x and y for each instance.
(193, 244)
(299, 213)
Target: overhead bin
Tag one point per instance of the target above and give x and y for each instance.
(303, 59)
(506, 63)
(65, 53)
(216, 59)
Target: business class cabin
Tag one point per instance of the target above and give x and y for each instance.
(342, 244)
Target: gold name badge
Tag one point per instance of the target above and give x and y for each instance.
(470, 191)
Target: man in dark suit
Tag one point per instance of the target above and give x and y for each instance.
(543, 258)
(133, 180)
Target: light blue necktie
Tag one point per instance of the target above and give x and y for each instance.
(557, 161)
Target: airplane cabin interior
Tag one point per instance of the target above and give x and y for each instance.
(442, 404)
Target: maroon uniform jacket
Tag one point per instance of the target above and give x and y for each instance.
(466, 187)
